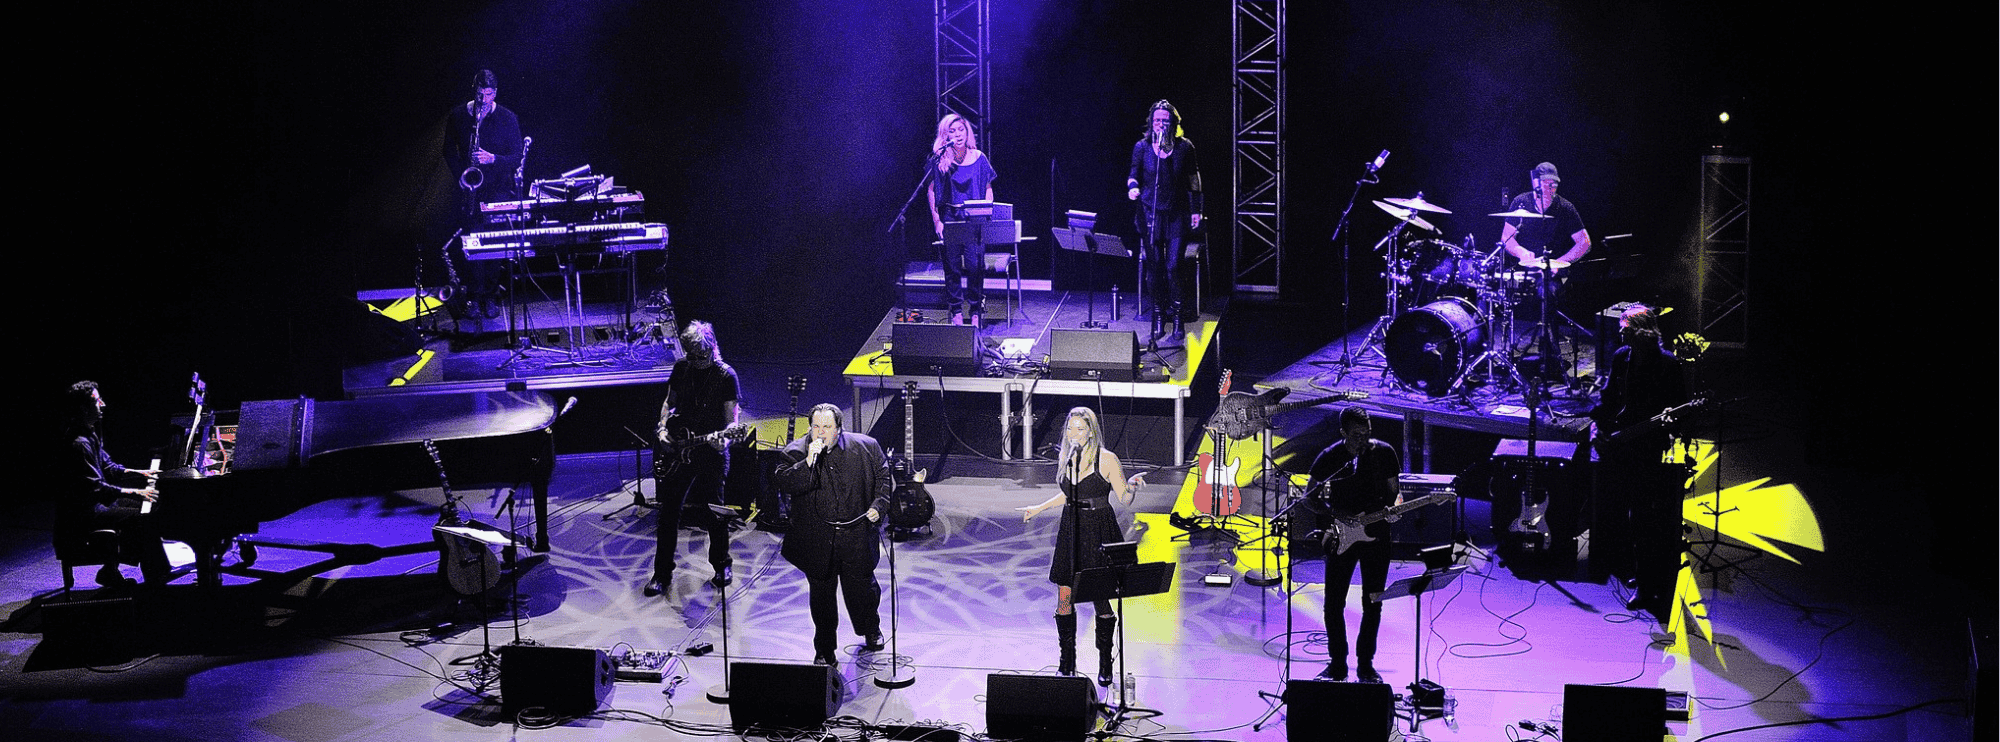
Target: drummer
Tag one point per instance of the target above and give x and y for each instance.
(1529, 239)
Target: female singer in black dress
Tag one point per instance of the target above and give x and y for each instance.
(1090, 475)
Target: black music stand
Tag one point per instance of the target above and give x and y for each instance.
(977, 235)
(1124, 578)
(1085, 241)
(1435, 577)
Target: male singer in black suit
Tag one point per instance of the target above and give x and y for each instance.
(1356, 476)
(840, 485)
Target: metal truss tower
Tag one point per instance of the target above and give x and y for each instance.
(1258, 159)
(962, 32)
(1722, 281)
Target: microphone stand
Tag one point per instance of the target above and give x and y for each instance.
(638, 489)
(899, 675)
(898, 227)
(719, 694)
(1348, 358)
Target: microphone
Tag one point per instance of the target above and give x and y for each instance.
(567, 406)
(1377, 163)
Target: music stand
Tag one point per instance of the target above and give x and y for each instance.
(1123, 579)
(976, 235)
(1085, 241)
(1435, 577)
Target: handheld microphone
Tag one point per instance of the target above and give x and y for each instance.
(1379, 160)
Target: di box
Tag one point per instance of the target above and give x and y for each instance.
(1040, 708)
(1096, 355)
(1604, 713)
(1334, 711)
(567, 681)
(781, 695)
(952, 350)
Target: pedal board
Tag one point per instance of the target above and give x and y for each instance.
(641, 665)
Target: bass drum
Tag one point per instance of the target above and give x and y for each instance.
(1430, 345)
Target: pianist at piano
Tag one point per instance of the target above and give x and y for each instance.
(93, 499)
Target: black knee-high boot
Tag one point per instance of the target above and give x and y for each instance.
(1066, 643)
(1107, 635)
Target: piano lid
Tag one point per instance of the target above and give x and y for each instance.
(382, 421)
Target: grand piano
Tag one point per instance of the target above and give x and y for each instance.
(283, 455)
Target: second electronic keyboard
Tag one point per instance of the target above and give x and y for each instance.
(605, 237)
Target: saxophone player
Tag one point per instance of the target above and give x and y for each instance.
(483, 145)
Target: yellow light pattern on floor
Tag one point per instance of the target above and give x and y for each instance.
(1757, 513)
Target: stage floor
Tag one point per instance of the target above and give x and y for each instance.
(376, 651)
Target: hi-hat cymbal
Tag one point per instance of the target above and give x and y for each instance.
(1546, 264)
(1406, 215)
(1418, 204)
(1522, 214)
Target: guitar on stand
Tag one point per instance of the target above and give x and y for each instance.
(1216, 494)
(464, 562)
(910, 506)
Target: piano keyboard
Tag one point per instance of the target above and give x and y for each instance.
(611, 237)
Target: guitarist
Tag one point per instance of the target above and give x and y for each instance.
(701, 399)
(1637, 500)
(1355, 476)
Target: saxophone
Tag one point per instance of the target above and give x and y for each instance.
(471, 178)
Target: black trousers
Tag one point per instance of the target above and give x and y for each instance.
(697, 482)
(852, 571)
(1163, 260)
(138, 539)
(1373, 558)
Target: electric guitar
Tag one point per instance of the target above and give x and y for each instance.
(910, 506)
(1666, 417)
(1215, 491)
(1242, 414)
(1347, 530)
(676, 446)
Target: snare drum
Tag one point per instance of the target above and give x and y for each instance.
(1430, 345)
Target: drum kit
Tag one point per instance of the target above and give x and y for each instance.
(1451, 307)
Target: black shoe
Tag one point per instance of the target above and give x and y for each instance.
(1366, 673)
(721, 578)
(110, 578)
(1334, 671)
(654, 587)
(822, 658)
(872, 643)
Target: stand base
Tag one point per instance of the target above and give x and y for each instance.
(898, 678)
(1260, 579)
(718, 694)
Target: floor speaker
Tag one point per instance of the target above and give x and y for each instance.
(952, 350)
(1038, 707)
(567, 681)
(1605, 713)
(1337, 711)
(98, 631)
(1095, 355)
(774, 695)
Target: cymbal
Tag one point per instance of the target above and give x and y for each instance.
(1522, 214)
(1418, 204)
(1546, 264)
(1406, 215)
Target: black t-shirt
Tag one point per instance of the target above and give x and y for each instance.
(1359, 485)
(700, 396)
(1546, 237)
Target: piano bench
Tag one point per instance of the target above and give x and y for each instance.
(96, 548)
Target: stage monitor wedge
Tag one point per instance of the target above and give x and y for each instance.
(565, 681)
(1338, 711)
(1609, 713)
(930, 350)
(781, 695)
(1094, 355)
(1039, 708)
